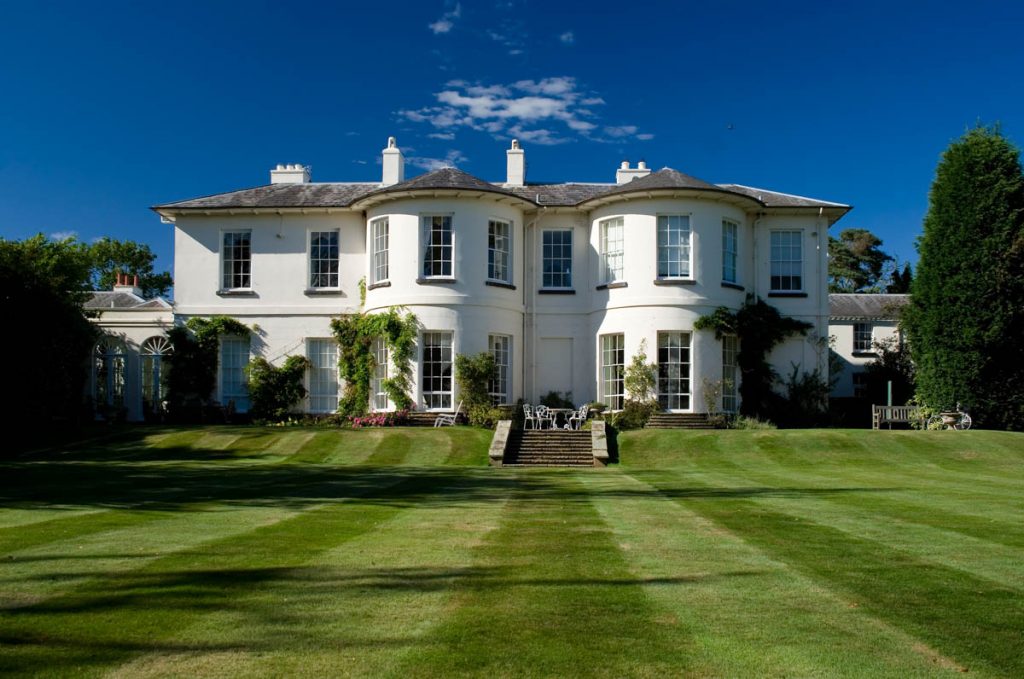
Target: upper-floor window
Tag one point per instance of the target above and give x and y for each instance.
(673, 246)
(862, 337)
(786, 261)
(499, 251)
(379, 249)
(612, 246)
(730, 248)
(437, 255)
(236, 260)
(323, 259)
(557, 258)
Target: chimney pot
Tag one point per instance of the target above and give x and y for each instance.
(626, 174)
(642, 165)
(290, 173)
(394, 164)
(624, 165)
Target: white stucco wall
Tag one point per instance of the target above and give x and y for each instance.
(852, 362)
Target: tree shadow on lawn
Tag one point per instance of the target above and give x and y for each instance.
(131, 485)
(280, 608)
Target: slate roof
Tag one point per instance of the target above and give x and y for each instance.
(866, 306)
(341, 195)
(776, 199)
(122, 300)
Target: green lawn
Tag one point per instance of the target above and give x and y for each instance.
(244, 551)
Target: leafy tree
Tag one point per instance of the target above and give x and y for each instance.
(474, 375)
(48, 338)
(192, 374)
(966, 316)
(111, 257)
(856, 262)
(892, 364)
(899, 283)
(639, 381)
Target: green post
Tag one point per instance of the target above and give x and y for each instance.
(889, 390)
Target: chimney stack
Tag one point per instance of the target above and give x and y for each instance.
(626, 174)
(290, 174)
(394, 164)
(516, 175)
(125, 283)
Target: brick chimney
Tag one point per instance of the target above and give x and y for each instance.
(627, 174)
(125, 283)
(394, 164)
(516, 175)
(290, 174)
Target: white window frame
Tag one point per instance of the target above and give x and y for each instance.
(730, 255)
(782, 262)
(664, 247)
(379, 401)
(675, 366)
(427, 225)
(437, 399)
(612, 353)
(108, 373)
(499, 260)
(225, 260)
(152, 371)
(500, 347)
(380, 235)
(612, 249)
(227, 388)
(544, 258)
(324, 381)
(310, 267)
(863, 337)
(730, 373)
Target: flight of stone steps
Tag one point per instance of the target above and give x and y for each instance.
(549, 448)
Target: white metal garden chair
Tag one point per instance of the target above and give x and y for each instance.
(543, 414)
(577, 419)
(529, 419)
(448, 419)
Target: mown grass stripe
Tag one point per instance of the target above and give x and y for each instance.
(112, 619)
(353, 610)
(728, 595)
(551, 596)
(391, 449)
(978, 624)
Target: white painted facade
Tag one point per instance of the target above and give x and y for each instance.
(857, 323)
(555, 334)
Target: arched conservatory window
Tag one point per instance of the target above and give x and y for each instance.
(108, 373)
(154, 351)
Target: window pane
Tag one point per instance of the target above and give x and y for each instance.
(501, 348)
(730, 373)
(673, 246)
(323, 259)
(557, 259)
(499, 248)
(437, 255)
(234, 357)
(674, 370)
(323, 376)
(236, 254)
(612, 249)
(436, 368)
(786, 261)
(613, 362)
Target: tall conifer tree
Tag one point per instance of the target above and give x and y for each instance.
(966, 319)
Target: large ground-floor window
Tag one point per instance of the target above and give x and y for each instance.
(108, 374)
(674, 370)
(501, 348)
(378, 394)
(234, 386)
(730, 372)
(613, 363)
(323, 375)
(154, 352)
(436, 370)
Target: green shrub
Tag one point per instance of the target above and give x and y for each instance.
(474, 375)
(557, 399)
(744, 422)
(273, 390)
(635, 414)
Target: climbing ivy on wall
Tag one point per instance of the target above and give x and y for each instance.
(192, 373)
(274, 390)
(355, 334)
(760, 327)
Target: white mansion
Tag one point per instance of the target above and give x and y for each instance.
(564, 283)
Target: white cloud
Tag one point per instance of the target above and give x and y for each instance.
(451, 159)
(567, 38)
(646, 136)
(63, 235)
(447, 21)
(548, 111)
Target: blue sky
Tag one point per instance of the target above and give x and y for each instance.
(108, 108)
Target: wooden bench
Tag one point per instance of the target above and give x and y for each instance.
(894, 415)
